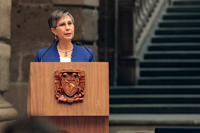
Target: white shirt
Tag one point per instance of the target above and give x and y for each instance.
(64, 59)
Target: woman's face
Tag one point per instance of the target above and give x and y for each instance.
(64, 29)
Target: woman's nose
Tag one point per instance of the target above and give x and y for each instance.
(67, 26)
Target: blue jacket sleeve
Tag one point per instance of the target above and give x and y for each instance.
(38, 57)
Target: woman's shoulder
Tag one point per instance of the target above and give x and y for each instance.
(82, 48)
(43, 50)
(84, 53)
(39, 54)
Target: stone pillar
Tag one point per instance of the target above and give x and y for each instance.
(7, 113)
(86, 20)
(5, 11)
(127, 61)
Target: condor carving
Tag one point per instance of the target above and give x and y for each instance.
(69, 85)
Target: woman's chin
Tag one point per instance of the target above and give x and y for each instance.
(67, 38)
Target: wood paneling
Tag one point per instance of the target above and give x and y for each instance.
(81, 124)
(42, 97)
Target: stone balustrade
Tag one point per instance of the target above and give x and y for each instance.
(143, 11)
(131, 18)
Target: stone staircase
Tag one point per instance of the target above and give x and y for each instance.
(169, 81)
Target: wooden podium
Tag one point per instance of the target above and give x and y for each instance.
(88, 116)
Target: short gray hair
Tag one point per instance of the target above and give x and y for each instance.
(56, 15)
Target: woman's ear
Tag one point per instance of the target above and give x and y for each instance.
(53, 30)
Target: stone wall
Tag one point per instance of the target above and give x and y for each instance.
(30, 32)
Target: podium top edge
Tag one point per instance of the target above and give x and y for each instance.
(68, 62)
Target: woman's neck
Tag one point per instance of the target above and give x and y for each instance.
(64, 45)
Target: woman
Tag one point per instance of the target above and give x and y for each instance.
(61, 24)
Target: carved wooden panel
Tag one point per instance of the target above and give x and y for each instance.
(69, 85)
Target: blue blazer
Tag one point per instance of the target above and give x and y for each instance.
(79, 54)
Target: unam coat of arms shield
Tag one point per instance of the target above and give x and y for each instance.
(69, 85)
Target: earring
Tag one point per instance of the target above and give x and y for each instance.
(56, 37)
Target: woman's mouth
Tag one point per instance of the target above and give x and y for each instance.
(68, 34)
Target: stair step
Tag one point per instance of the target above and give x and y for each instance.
(188, 2)
(154, 108)
(154, 99)
(170, 63)
(174, 47)
(144, 119)
(124, 90)
(177, 38)
(180, 23)
(177, 31)
(172, 55)
(183, 9)
(153, 72)
(169, 80)
(181, 16)
(153, 105)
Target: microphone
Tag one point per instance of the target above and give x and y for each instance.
(56, 41)
(78, 43)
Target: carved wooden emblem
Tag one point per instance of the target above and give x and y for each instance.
(69, 85)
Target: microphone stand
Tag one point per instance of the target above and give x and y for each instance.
(78, 43)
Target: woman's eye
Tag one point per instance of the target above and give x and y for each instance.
(62, 24)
